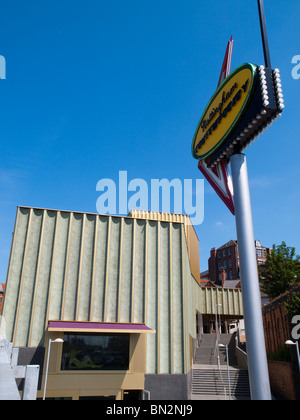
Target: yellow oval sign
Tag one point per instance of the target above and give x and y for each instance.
(224, 111)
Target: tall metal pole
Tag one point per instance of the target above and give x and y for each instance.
(256, 348)
(264, 34)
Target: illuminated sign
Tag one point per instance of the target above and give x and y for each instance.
(248, 100)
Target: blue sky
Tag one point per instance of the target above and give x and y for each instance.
(96, 87)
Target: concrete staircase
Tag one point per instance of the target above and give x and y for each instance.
(210, 383)
(206, 353)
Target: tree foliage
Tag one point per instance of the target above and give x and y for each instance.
(282, 271)
(293, 305)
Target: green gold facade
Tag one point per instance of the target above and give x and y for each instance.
(140, 269)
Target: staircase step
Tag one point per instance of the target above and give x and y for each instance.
(208, 382)
(205, 354)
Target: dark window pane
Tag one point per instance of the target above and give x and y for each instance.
(95, 352)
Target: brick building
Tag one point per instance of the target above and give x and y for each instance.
(227, 258)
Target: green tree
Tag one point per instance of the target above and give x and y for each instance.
(293, 305)
(282, 270)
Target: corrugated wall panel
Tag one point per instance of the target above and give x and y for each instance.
(188, 302)
(86, 270)
(225, 303)
(139, 273)
(28, 279)
(230, 299)
(72, 269)
(15, 270)
(126, 271)
(100, 265)
(152, 297)
(39, 312)
(111, 314)
(177, 301)
(59, 265)
(164, 327)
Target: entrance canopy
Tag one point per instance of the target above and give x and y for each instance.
(96, 327)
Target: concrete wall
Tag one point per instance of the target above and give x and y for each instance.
(167, 387)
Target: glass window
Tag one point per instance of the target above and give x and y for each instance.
(95, 352)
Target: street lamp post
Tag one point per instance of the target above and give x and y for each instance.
(291, 343)
(217, 336)
(58, 340)
(218, 313)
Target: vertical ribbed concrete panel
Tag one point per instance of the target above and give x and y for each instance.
(177, 301)
(112, 287)
(188, 301)
(165, 303)
(60, 247)
(230, 299)
(152, 297)
(139, 273)
(100, 267)
(28, 279)
(126, 271)
(86, 269)
(45, 255)
(15, 270)
(72, 273)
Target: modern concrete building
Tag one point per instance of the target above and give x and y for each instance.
(124, 294)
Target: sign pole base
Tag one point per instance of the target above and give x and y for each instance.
(256, 348)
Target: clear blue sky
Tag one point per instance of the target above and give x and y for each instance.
(94, 87)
